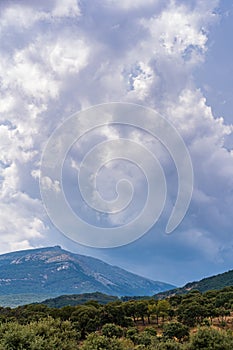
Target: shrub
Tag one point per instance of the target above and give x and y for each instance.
(151, 331)
(169, 345)
(175, 330)
(132, 333)
(211, 339)
(111, 330)
(101, 342)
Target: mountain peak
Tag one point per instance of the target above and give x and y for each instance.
(58, 271)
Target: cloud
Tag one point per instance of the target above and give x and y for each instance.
(68, 9)
(130, 4)
(21, 226)
(61, 57)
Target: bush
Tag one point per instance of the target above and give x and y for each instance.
(46, 334)
(132, 333)
(169, 345)
(151, 331)
(143, 339)
(175, 330)
(100, 342)
(111, 330)
(17, 337)
(211, 339)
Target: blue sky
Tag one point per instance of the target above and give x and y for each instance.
(59, 57)
(215, 74)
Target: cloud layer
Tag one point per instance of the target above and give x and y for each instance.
(58, 57)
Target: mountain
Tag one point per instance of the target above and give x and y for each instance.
(55, 271)
(215, 282)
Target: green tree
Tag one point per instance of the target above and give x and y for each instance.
(175, 330)
(129, 308)
(192, 313)
(160, 309)
(142, 310)
(114, 313)
(86, 319)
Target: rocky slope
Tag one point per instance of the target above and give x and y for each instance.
(56, 271)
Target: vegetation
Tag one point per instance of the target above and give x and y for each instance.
(182, 322)
(216, 282)
(78, 299)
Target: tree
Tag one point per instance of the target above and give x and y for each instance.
(86, 319)
(161, 309)
(129, 308)
(114, 313)
(142, 310)
(192, 313)
(175, 330)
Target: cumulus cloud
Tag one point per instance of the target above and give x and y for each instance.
(59, 57)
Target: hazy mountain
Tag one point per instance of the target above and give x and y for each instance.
(55, 271)
(215, 282)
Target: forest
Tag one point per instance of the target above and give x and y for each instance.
(192, 321)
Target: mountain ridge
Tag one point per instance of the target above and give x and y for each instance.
(215, 282)
(57, 271)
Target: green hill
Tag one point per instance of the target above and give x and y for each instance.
(216, 282)
(79, 299)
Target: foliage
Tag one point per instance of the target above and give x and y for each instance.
(175, 330)
(100, 342)
(111, 330)
(132, 333)
(78, 299)
(211, 339)
(151, 330)
(169, 345)
(217, 282)
(48, 334)
(86, 319)
(147, 324)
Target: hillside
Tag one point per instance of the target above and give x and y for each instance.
(216, 282)
(55, 271)
(79, 299)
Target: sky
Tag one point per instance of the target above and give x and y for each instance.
(59, 57)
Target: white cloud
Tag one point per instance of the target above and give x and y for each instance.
(67, 56)
(15, 146)
(21, 226)
(21, 17)
(130, 4)
(63, 56)
(24, 16)
(48, 184)
(68, 8)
